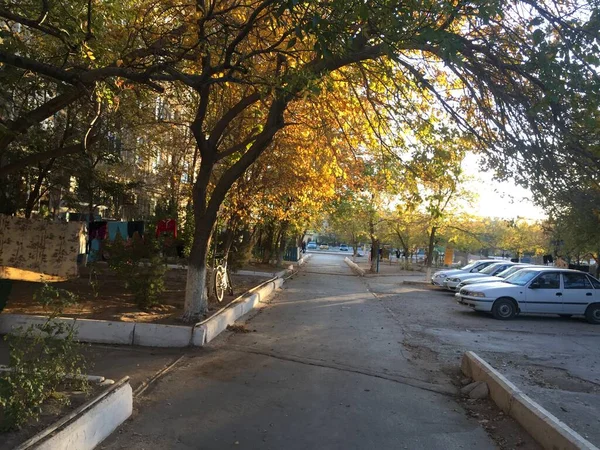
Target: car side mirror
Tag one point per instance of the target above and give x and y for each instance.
(535, 285)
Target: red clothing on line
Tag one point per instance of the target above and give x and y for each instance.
(166, 227)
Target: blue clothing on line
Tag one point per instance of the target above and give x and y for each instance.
(117, 227)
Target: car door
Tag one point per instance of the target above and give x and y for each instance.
(544, 294)
(578, 292)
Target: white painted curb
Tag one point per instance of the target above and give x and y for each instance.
(544, 427)
(88, 425)
(215, 325)
(354, 267)
(255, 274)
(160, 335)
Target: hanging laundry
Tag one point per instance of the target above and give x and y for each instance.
(134, 226)
(166, 227)
(98, 230)
(115, 228)
(94, 254)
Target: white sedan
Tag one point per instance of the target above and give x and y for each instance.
(438, 277)
(543, 290)
(498, 277)
(453, 281)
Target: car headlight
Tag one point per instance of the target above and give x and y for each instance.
(476, 294)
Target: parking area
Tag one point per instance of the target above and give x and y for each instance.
(554, 360)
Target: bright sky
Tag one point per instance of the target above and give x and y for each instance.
(498, 199)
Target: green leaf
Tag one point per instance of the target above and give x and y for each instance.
(538, 36)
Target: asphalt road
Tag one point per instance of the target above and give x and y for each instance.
(324, 366)
(554, 360)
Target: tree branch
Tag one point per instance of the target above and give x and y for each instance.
(24, 122)
(228, 117)
(43, 156)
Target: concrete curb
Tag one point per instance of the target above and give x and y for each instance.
(88, 425)
(215, 325)
(354, 267)
(544, 427)
(252, 273)
(160, 335)
(423, 284)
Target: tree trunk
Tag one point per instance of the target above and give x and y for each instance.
(205, 217)
(196, 295)
(374, 254)
(282, 243)
(430, 252)
(430, 247)
(268, 244)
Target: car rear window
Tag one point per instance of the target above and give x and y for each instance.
(576, 281)
(594, 282)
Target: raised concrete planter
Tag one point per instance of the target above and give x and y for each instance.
(544, 427)
(159, 335)
(156, 335)
(105, 331)
(88, 425)
(252, 273)
(354, 267)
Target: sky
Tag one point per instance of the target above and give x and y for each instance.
(498, 199)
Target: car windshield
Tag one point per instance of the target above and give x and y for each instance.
(509, 271)
(490, 269)
(469, 266)
(522, 277)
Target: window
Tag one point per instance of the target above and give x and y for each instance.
(522, 277)
(489, 270)
(576, 281)
(595, 282)
(549, 280)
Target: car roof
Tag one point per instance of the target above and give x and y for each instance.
(554, 269)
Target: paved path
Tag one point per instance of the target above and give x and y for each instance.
(324, 369)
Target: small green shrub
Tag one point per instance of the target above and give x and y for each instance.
(41, 357)
(141, 267)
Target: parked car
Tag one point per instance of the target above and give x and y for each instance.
(537, 290)
(498, 277)
(343, 248)
(324, 247)
(453, 281)
(439, 276)
(311, 246)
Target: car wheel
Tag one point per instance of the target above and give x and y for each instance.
(504, 309)
(566, 316)
(592, 314)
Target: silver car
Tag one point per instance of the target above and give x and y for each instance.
(453, 281)
(498, 277)
(543, 290)
(438, 277)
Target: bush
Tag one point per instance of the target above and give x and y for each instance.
(43, 359)
(139, 264)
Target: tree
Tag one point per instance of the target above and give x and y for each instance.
(247, 61)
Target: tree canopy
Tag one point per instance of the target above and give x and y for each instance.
(520, 77)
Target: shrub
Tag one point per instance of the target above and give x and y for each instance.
(43, 359)
(141, 267)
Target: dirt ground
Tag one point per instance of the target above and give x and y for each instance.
(112, 301)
